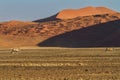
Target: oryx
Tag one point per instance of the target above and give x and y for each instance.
(109, 49)
(15, 50)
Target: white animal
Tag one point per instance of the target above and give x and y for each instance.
(109, 49)
(15, 50)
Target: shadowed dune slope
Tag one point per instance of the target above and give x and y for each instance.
(93, 36)
(51, 18)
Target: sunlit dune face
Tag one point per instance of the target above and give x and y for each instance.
(72, 13)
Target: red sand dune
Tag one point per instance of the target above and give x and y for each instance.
(87, 11)
(14, 23)
(88, 25)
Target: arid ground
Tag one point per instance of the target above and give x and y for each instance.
(60, 64)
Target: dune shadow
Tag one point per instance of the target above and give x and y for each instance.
(51, 18)
(100, 35)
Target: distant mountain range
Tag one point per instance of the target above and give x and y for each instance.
(86, 27)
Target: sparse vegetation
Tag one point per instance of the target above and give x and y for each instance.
(60, 64)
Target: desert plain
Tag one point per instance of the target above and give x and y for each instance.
(60, 64)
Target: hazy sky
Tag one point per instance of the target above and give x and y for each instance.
(29, 10)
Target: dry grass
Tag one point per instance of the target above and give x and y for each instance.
(60, 64)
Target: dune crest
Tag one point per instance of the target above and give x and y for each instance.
(87, 11)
